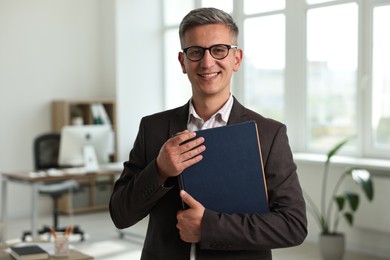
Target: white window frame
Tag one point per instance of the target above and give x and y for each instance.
(295, 72)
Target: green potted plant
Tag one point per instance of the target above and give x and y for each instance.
(77, 116)
(339, 205)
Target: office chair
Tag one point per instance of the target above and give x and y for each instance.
(46, 149)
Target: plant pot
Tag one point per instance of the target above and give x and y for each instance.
(77, 121)
(332, 246)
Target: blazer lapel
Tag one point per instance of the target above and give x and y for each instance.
(238, 113)
(179, 123)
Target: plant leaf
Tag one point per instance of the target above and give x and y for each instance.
(353, 200)
(336, 148)
(363, 178)
(349, 217)
(340, 202)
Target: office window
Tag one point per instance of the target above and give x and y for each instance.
(340, 82)
(177, 87)
(226, 5)
(260, 6)
(264, 61)
(331, 74)
(381, 78)
(175, 10)
(318, 1)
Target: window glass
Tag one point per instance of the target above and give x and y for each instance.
(175, 10)
(264, 62)
(177, 87)
(326, 98)
(331, 74)
(381, 77)
(258, 6)
(318, 1)
(226, 5)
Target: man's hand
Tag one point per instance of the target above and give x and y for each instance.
(175, 156)
(189, 221)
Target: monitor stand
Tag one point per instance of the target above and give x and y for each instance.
(90, 160)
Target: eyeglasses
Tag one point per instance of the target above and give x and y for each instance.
(218, 51)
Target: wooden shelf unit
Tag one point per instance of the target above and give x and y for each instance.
(95, 190)
(63, 112)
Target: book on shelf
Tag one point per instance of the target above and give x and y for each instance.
(230, 177)
(103, 114)
(28, 252)
(95, 111)
(99, 114)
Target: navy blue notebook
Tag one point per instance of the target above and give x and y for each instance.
(230, 177)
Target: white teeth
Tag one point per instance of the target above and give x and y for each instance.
(209, 75)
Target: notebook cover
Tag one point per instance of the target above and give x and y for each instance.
(230, 177)
(29, 252)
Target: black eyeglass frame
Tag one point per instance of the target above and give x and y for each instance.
(209, 49)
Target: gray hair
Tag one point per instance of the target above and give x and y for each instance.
(205, 16)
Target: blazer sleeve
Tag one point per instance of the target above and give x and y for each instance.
(137, 190)
(285, 225)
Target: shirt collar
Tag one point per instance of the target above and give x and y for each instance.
(224, 112)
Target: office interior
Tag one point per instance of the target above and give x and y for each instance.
(71, 49)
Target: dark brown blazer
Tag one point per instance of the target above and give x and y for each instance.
(137, 194)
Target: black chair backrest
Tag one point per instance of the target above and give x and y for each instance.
(46, 150)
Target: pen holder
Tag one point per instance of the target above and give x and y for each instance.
(61, 245)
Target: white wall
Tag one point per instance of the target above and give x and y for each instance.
(48, 50)
(139, 67)
(68, 49)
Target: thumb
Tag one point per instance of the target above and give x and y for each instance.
(189, 200)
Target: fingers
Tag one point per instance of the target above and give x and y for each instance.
(190, 153)
(189, 200)
(185, 147)
(192, 149)
(185, 139)
(189, 222)
(178, 153)
(181, 137)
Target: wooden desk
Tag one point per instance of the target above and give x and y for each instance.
(36, 179)
(73, 255)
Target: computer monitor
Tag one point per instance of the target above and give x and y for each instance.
(85, 146)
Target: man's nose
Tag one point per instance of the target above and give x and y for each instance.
(207, 58)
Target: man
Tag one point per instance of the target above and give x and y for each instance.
(149, 181)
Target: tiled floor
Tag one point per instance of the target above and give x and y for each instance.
(104, 243)
(310, 251)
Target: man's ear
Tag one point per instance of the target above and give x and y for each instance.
(180, 57)
(237, 60)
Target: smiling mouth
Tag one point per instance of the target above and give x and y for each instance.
(209, 75)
